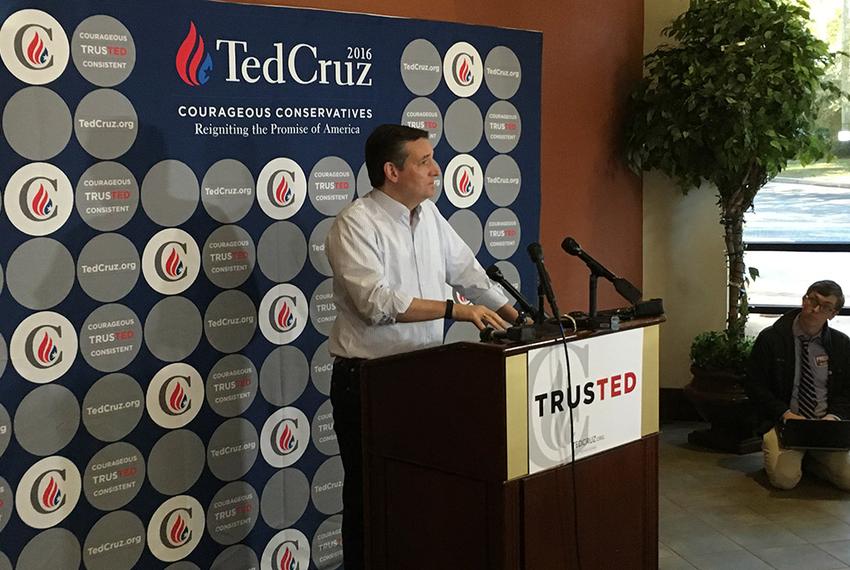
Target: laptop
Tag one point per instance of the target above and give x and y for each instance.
(815, 434)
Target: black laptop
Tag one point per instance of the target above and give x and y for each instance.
(815, 434)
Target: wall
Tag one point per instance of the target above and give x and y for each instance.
(683, 253)
(591, 58)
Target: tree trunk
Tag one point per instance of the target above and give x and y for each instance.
(733, 224)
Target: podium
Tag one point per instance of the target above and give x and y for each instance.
(450, 481)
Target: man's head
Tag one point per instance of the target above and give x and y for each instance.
(822, 301)
(400, 162)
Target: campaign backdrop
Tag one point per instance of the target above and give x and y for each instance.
(169, 171)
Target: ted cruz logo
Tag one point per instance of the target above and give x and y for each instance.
(462, 181)
(38, 199)
(287, 550)
(174, 395)
(284, 313)
(463, 69)
(34, 46)
(284, 437)
(281, 188)
(48, 492)
(176, 528)
(43, 347)
(281, 315)
(465, 180)
(193, 62)
(171, 261)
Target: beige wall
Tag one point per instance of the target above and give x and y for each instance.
(683, 255)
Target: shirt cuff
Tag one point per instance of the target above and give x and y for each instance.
(492, 298)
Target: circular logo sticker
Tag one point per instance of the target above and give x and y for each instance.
(324, 436)
(37, 123)
(103, 51)
(115, 542)
(230, 321)
(47, 419)
(467, 225)
(283, 314)
(232, 514)
(323, 308)
(34, 46)
(462, 332)
(43, 347)
(48, 492)
(175, 395)
(7, 503)
(285, 498)
(463, 69)
(421, 69)
(171, 261)
(5, 429)
(40, 273)
(106, 124)
(504, 126)
(282, 251)
(232, 449)
(502, 72)
(285, 437)
(108, 267)
(176, 528)
(238, 557)
(283, 376)
(107, 196)
(38, 199)
(176, 461)
(114, 476)
(422, 113)
(511, 273)
(332, 185)
(227, 191)
(287, 549)
(327, 543)
(170, 193)
(63, 547)
(232, 385)
(110, 338)
(112, 407)
(173, 329)
(316, 248)
(281, 188)
(321, 367)
(326, 489)
(502, 180)
(464, 180)
(464, 125)
(503, 233)
(229, 256)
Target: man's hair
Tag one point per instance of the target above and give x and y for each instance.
(827, 288)
(386, 144)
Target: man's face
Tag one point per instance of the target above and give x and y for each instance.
(817, 309)
(415, 180)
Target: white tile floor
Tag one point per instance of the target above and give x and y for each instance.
(717, 511)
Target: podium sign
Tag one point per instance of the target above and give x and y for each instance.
(605, 397)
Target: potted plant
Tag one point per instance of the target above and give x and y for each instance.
(730, 101)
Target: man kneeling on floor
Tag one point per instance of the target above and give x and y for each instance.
(800, 369)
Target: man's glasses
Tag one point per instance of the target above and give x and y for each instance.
(818, 304)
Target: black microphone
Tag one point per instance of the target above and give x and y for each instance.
(535, 251)
(631, 293)
(494, 273)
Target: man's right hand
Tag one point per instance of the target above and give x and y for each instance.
(789, 415)
(480, 316)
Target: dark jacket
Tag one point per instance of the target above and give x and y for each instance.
(769, 380)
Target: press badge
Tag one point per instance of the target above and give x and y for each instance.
(821, 360)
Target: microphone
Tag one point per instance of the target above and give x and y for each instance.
(494, 273)
(628, 291)
(535, 251)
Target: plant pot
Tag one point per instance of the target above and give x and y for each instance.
(719, 397)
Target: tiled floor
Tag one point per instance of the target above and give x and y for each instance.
(719, 512)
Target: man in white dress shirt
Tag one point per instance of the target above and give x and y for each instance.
(392, 254)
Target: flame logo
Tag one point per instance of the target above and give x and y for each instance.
(287, 442)
(285, 318)
(178, 534)
(464, 71)
(465, 186)
(283, 194)
(287, 561)
(193, 63)
(178, 401)
(47, 350)
(51, 497)
(41, 203)
(37, 52)
(174, 267)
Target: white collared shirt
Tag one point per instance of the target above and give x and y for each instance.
(382, 258)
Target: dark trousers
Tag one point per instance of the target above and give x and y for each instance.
(345, 397)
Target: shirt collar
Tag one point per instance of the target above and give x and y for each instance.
(797, 331)
(395, 209)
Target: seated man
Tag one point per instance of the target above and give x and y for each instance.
(800, 369)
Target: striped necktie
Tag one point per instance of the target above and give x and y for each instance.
(806, 398)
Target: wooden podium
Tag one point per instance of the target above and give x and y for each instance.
(447, 483)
